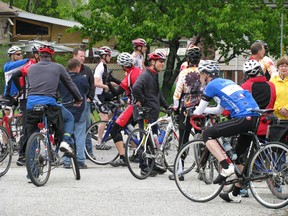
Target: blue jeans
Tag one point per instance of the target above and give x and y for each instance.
(68, 125)
(79, 134)
(88, 123)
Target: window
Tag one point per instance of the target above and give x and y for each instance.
(27, 28)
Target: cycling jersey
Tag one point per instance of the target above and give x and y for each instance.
(138, 60)
(236, 100)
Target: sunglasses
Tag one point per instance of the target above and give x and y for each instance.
(18, 54)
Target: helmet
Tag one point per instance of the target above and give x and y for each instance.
(35, 49)
(156, 55)
(13, 50)
(46, 49)
(105, 50)
(252, 68)
(125, 59)
(264, 44)
(193, 52)
(139, 42)
(209, 67)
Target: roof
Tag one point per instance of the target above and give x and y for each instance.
(62, 22)
(26, 46)
(6, 10)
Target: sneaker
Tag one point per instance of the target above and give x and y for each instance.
(152, 174)
(160, 170)
(224, 174)
(118, 162)
(66, 166)
(228, 197)
(134, 158)
(82, 166)
(103, 147)
(244, 193)
(65, 147)
(171, 177)
(21, 161)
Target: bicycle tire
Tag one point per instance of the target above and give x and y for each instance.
(267, 173)
(196, 186)
(5, 152)
(38, 159)
(170, 149)
(75, 167)
(102, 157)
(134, 151)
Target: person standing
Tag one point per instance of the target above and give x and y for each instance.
(79, 113)
(140, 47)
(79, 54)
(147, 93)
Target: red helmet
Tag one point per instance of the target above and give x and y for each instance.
(139, 42)
(47, 49)
(156, 55)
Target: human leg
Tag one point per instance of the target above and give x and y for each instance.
(88, 141)
(79, 133)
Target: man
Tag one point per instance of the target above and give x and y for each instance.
(79, 54)
(44, 79)
(79, 113)
(126, 61)
(140, 47)
(16, 61)
(240, 104)
(147, 93)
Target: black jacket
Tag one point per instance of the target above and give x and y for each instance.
(146, 90)
(87, 72)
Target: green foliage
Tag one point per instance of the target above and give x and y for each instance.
(62, 59)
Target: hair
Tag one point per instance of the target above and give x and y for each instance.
(76, 50)
(281, 61)
(256, 47)
(73, 64)
(45, 55)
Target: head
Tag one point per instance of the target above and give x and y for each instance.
(252, 68)
(257, 50)
(79, 53)
(105, 53)
(209, 69)
(74, 65)
(125, 60)
(15, 53)
(35, 53)
(282, 66)
(156, 60)
(264, 44)
(46, 51)
(193, 54)
(140, 45)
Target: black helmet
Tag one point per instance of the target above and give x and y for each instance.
(193, 52)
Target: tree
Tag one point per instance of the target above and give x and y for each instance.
(230, 26)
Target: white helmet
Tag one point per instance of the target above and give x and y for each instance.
(209, 67)
(13, 50)
(125, 59)
(252, 68)
(105, 50)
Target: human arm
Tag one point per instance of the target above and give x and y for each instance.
(137, 89)
(114, 91)
(178, 92)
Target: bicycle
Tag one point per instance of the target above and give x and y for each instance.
(262, 166)
(141, 144)
(106, 151)
(42, 150)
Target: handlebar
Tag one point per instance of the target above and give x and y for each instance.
(192, 121)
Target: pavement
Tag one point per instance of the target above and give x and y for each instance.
(106, 190)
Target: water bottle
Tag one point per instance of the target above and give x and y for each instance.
(130, 127)
(229, 150)
(155, 137)
(161, 136)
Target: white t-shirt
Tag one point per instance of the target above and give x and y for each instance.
(99, 70)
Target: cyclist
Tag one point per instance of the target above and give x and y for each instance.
(269, 66)
(146, 93)
(16, 61)
(126, 61)
(187, 94)
(100, 82)
(140, 47)
(239, 103)
(185, 64)
(44, 78)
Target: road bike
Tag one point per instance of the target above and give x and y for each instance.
(265, 170)
(42, 151)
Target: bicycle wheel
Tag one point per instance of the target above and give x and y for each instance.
(38, 159)
(268, 171)
(197, 184)
(170, 150)
(107, 151)
(75, 167)
(140, 161)
(5, 152)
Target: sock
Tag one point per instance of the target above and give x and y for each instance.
(236, 191)
(224, 164)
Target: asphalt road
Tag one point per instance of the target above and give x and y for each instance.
(105, 190)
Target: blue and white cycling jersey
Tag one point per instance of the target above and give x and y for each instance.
(236, 100)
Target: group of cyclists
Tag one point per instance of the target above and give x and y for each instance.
(198, 83)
